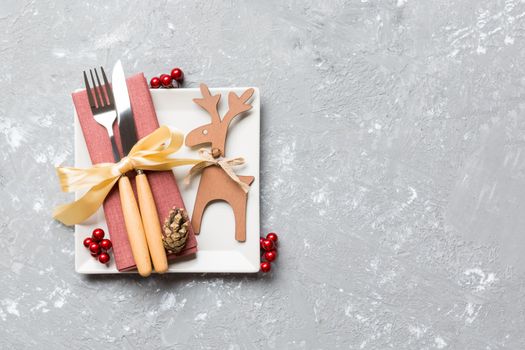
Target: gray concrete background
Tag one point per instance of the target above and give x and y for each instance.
(393, 168)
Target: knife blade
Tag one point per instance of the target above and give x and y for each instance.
(126, 124)
(128, 137)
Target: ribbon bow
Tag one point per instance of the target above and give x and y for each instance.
(150, 153)
(225, 163)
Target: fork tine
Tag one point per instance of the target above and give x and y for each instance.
(109, 92)
(88, 91)
(99, 105)
(101, 90)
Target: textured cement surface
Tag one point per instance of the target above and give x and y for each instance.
(393, 167)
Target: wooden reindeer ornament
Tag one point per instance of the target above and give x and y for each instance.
(215, 183)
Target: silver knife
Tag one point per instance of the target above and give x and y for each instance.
(126, 124)
(128, 137)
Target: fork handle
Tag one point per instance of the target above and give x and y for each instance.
(150, 219)
(114, 147)
(133, 221)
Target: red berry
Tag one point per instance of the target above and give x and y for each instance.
(272, 236)
(267, 244)
(260, 241)
(105, 244)
(87, 242)
(94, 247)
(165, 80)
(266, 266)
(177, 74)
(155, 82)
(271, 255)
(103, 258)
(95, 255)
(97, 234)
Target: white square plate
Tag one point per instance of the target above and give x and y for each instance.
(218, 251)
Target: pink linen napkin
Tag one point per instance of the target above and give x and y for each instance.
(163, 184)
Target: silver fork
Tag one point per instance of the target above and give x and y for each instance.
(103, 110)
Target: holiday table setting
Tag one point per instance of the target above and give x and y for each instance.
(138, 241)
(268, 175)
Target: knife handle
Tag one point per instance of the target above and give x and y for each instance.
(150, 219)
(137, 238)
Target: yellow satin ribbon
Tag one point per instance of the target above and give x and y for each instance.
(150, 153)
(225, 163)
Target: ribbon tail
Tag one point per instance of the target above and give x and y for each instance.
(162, 164)
(81, 209)
(244, 187)
(196, 169)
(226, 167)
(73, 179)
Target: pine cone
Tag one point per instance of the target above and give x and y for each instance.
(175, 230)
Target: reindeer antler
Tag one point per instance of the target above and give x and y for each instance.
(209, 103)
(215, 132)
(237, 105)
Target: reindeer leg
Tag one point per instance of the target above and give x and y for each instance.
(198, 209)
(239, 211)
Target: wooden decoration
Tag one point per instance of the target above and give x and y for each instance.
(215, 184)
